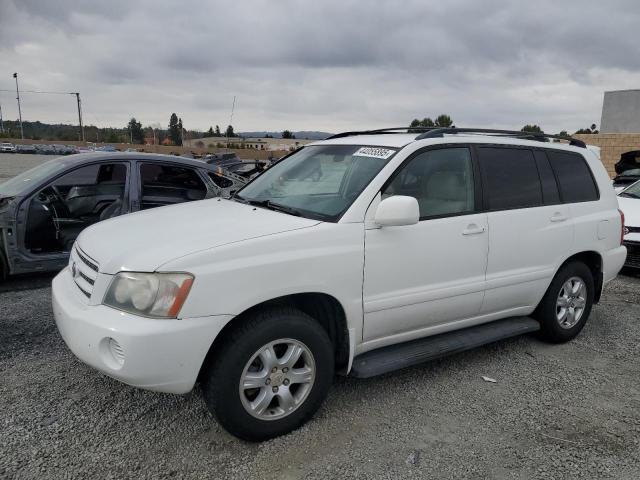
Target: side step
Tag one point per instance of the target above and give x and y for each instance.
(395, 357)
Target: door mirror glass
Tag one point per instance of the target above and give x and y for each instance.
(397, 211)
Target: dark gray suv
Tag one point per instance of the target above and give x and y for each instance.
(43, 210)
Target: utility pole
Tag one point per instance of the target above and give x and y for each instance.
(77, 94)
(233, 106)
(1, 122)
(15, 75)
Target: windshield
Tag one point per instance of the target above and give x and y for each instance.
(23, 183)
(632, 191)
(318, 182)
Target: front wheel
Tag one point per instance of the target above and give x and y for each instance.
(271, 374)
(566, 305)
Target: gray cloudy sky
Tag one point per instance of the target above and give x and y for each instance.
(319, 64)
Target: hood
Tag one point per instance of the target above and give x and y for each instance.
(144, 241)
(631, 209)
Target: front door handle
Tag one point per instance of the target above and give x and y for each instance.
(558, 217)
(473, 229)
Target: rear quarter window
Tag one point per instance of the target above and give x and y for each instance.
(574, 177)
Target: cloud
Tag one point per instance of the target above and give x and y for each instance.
(329, 65)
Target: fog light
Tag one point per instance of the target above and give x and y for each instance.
(116, 351)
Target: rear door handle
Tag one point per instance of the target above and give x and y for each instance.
(473, 229)
(558, 217)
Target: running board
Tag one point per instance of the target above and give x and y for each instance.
(402, 355)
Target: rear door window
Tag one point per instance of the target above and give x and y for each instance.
(574, 177)
(550, 193)
(162, 184)
(510, 178)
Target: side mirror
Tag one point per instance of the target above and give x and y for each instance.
(397, 211)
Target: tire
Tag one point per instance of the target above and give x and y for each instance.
(297, 394)
(557, 325)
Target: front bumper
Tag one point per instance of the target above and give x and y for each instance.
(160, 355)
(633, 253)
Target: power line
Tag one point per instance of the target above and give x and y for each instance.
(38, 91)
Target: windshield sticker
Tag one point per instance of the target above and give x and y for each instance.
(374, 152)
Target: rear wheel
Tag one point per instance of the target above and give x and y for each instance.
(271, 374)
(566, 306)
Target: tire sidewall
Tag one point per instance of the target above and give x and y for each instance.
(550, 327)
(222, 387)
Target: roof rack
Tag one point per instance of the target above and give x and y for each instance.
(536, 136)
(436, 132)
(383, 130)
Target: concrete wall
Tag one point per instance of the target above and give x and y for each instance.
(612, 145)
(621, 112)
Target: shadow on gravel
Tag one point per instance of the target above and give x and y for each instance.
(27, 282)
(26, 322)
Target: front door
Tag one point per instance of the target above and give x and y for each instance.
(433, 272)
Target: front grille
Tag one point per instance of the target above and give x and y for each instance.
(633, 254)
(84, 270)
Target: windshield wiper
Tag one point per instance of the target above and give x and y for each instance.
(274, 206)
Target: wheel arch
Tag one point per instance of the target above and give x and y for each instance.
(593, 260)
(322, 307)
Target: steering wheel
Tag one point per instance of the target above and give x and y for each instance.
(59, 196)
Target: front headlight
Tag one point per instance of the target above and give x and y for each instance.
(158, 295)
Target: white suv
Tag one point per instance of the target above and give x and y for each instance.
(359, 255)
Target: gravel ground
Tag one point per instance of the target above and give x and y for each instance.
(556, 411)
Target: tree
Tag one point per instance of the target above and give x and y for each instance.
(218, 134)
(588, 131)
(174, 130)
(181, 131)
(210, 132)
(287, 134)
(531, 129)
(563, 133)
(136, 134)
(229, 132)
(443, 120)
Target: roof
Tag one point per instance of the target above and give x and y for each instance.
(80, 158)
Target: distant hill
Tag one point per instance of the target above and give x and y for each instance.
(302, 134)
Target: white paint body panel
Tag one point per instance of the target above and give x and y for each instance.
(394, 283)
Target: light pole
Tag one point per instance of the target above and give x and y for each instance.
(1, 122)
(15, 75)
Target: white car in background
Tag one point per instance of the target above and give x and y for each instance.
(6, 147)
(361, 254)
(629, 201)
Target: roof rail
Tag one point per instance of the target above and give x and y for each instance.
(383, 130)
(536, 136)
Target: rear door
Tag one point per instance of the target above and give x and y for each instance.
(530, 231)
